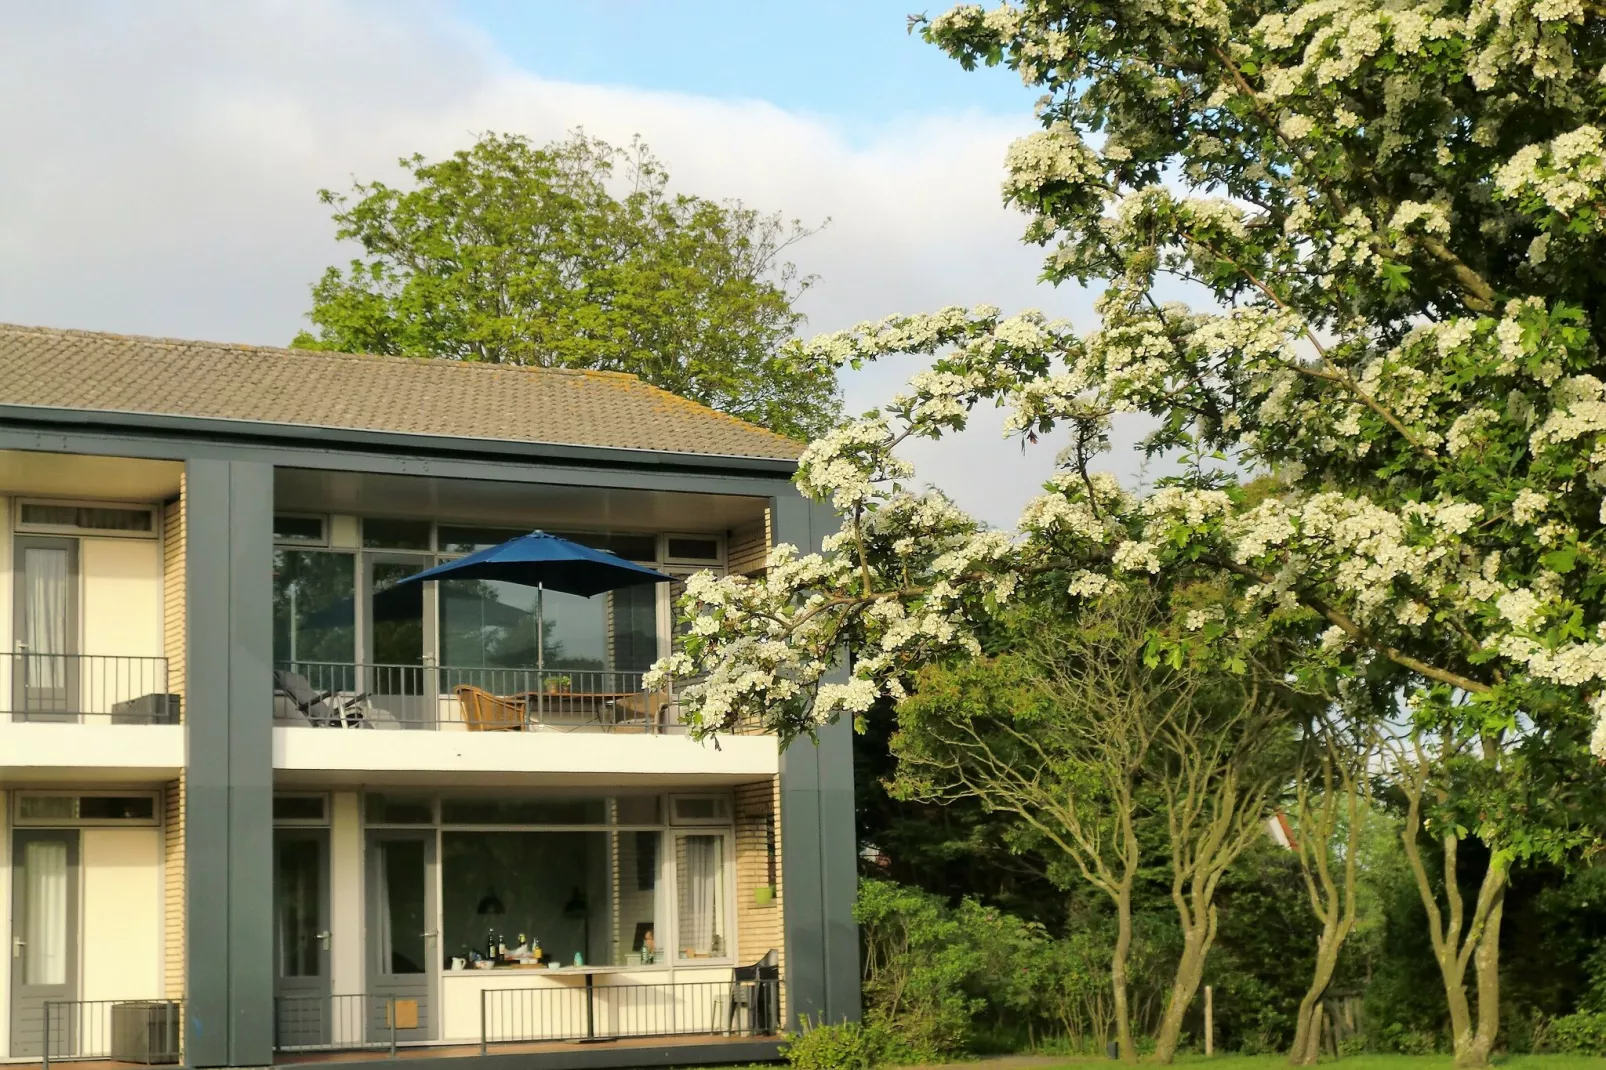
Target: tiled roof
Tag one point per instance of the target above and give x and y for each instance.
(125, 373)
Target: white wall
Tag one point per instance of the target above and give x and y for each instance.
(345, 898)
(122, 594)
(531, 1004)
(121, 938)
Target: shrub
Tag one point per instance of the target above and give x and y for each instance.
(918, 959)
(1583, 1033)
(848, 1046)
(1402, 1040)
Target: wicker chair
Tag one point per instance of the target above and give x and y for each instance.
(641, 712)
(485, 712)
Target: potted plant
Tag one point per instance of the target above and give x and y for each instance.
(557, 685)
(763, 895)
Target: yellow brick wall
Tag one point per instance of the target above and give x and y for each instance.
(759, 927)
(747, 547)
(173, 887)
(173, 593)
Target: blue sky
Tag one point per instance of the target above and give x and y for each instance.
(854, 61)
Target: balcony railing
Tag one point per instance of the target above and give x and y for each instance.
(343, 695)
(594, 1011)
(143, 1031)
(86, 688)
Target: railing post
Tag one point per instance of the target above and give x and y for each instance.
(391, 1014)
(484, 1041)
(45, 1063)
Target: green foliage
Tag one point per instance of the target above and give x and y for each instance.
(574, 255)
(1583, 1033)
(919, 958)
(846, 1046)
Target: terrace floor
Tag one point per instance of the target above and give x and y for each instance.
(627, 1052)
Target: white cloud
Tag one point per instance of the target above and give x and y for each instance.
(161, 162)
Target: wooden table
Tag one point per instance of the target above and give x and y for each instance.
(540, 700)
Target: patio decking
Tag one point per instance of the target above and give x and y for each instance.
(629, 1052)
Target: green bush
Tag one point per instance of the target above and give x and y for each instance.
(848, 1046)
(1583, 1033)
(919, 959)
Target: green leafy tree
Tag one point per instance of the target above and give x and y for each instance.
(575, 255)
(1081, 736)
(1395, 214)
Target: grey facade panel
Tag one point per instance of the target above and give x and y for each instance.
(228, 818)
(206, 825)
(305, 453)
(250, 715)
(189, 432)
(819, 836)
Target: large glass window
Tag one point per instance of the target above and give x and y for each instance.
(488, 624)
(522, 889)
(635, 627)
(700, 886)
(314, 607)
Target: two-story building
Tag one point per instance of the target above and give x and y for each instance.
(251, 815)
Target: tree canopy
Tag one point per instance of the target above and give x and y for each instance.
(575, 254)
(1395, 214)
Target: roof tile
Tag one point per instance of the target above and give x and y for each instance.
(126, 373)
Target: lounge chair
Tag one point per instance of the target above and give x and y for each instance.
(485, 712)
(322, 709)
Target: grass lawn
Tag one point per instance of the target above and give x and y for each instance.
(1277, 1062)
(1354, 1062)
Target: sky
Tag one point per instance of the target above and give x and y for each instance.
(160, 162)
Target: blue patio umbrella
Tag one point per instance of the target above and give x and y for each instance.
(545, 562)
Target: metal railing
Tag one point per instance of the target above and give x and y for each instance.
(146, 1031)
(86, 688)
(616, 1011)
(554, 1012)
(357, 1022)
(426, 697)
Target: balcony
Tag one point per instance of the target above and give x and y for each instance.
(421, 721)
(86, 689)
(551, 1012)
(104, 717)
(457, 698)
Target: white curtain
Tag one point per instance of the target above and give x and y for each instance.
(49, 587)
(703, 919)
(382, 898)
(45, 921)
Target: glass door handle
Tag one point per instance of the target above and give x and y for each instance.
(432, 934)
(324, 936)
(17, 944)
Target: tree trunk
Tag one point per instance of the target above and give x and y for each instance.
(1307, 1032)
(1486, 965)
(1196, 943)
(1118, 977)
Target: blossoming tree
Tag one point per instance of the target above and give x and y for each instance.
(1397, 211)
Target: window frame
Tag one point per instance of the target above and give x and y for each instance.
(324, 524)
(711, 563)
(675, 820)
(303, 822)
(19, 821)
(727, 837)
(152, 509)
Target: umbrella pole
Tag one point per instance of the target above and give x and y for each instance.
(540, 653)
